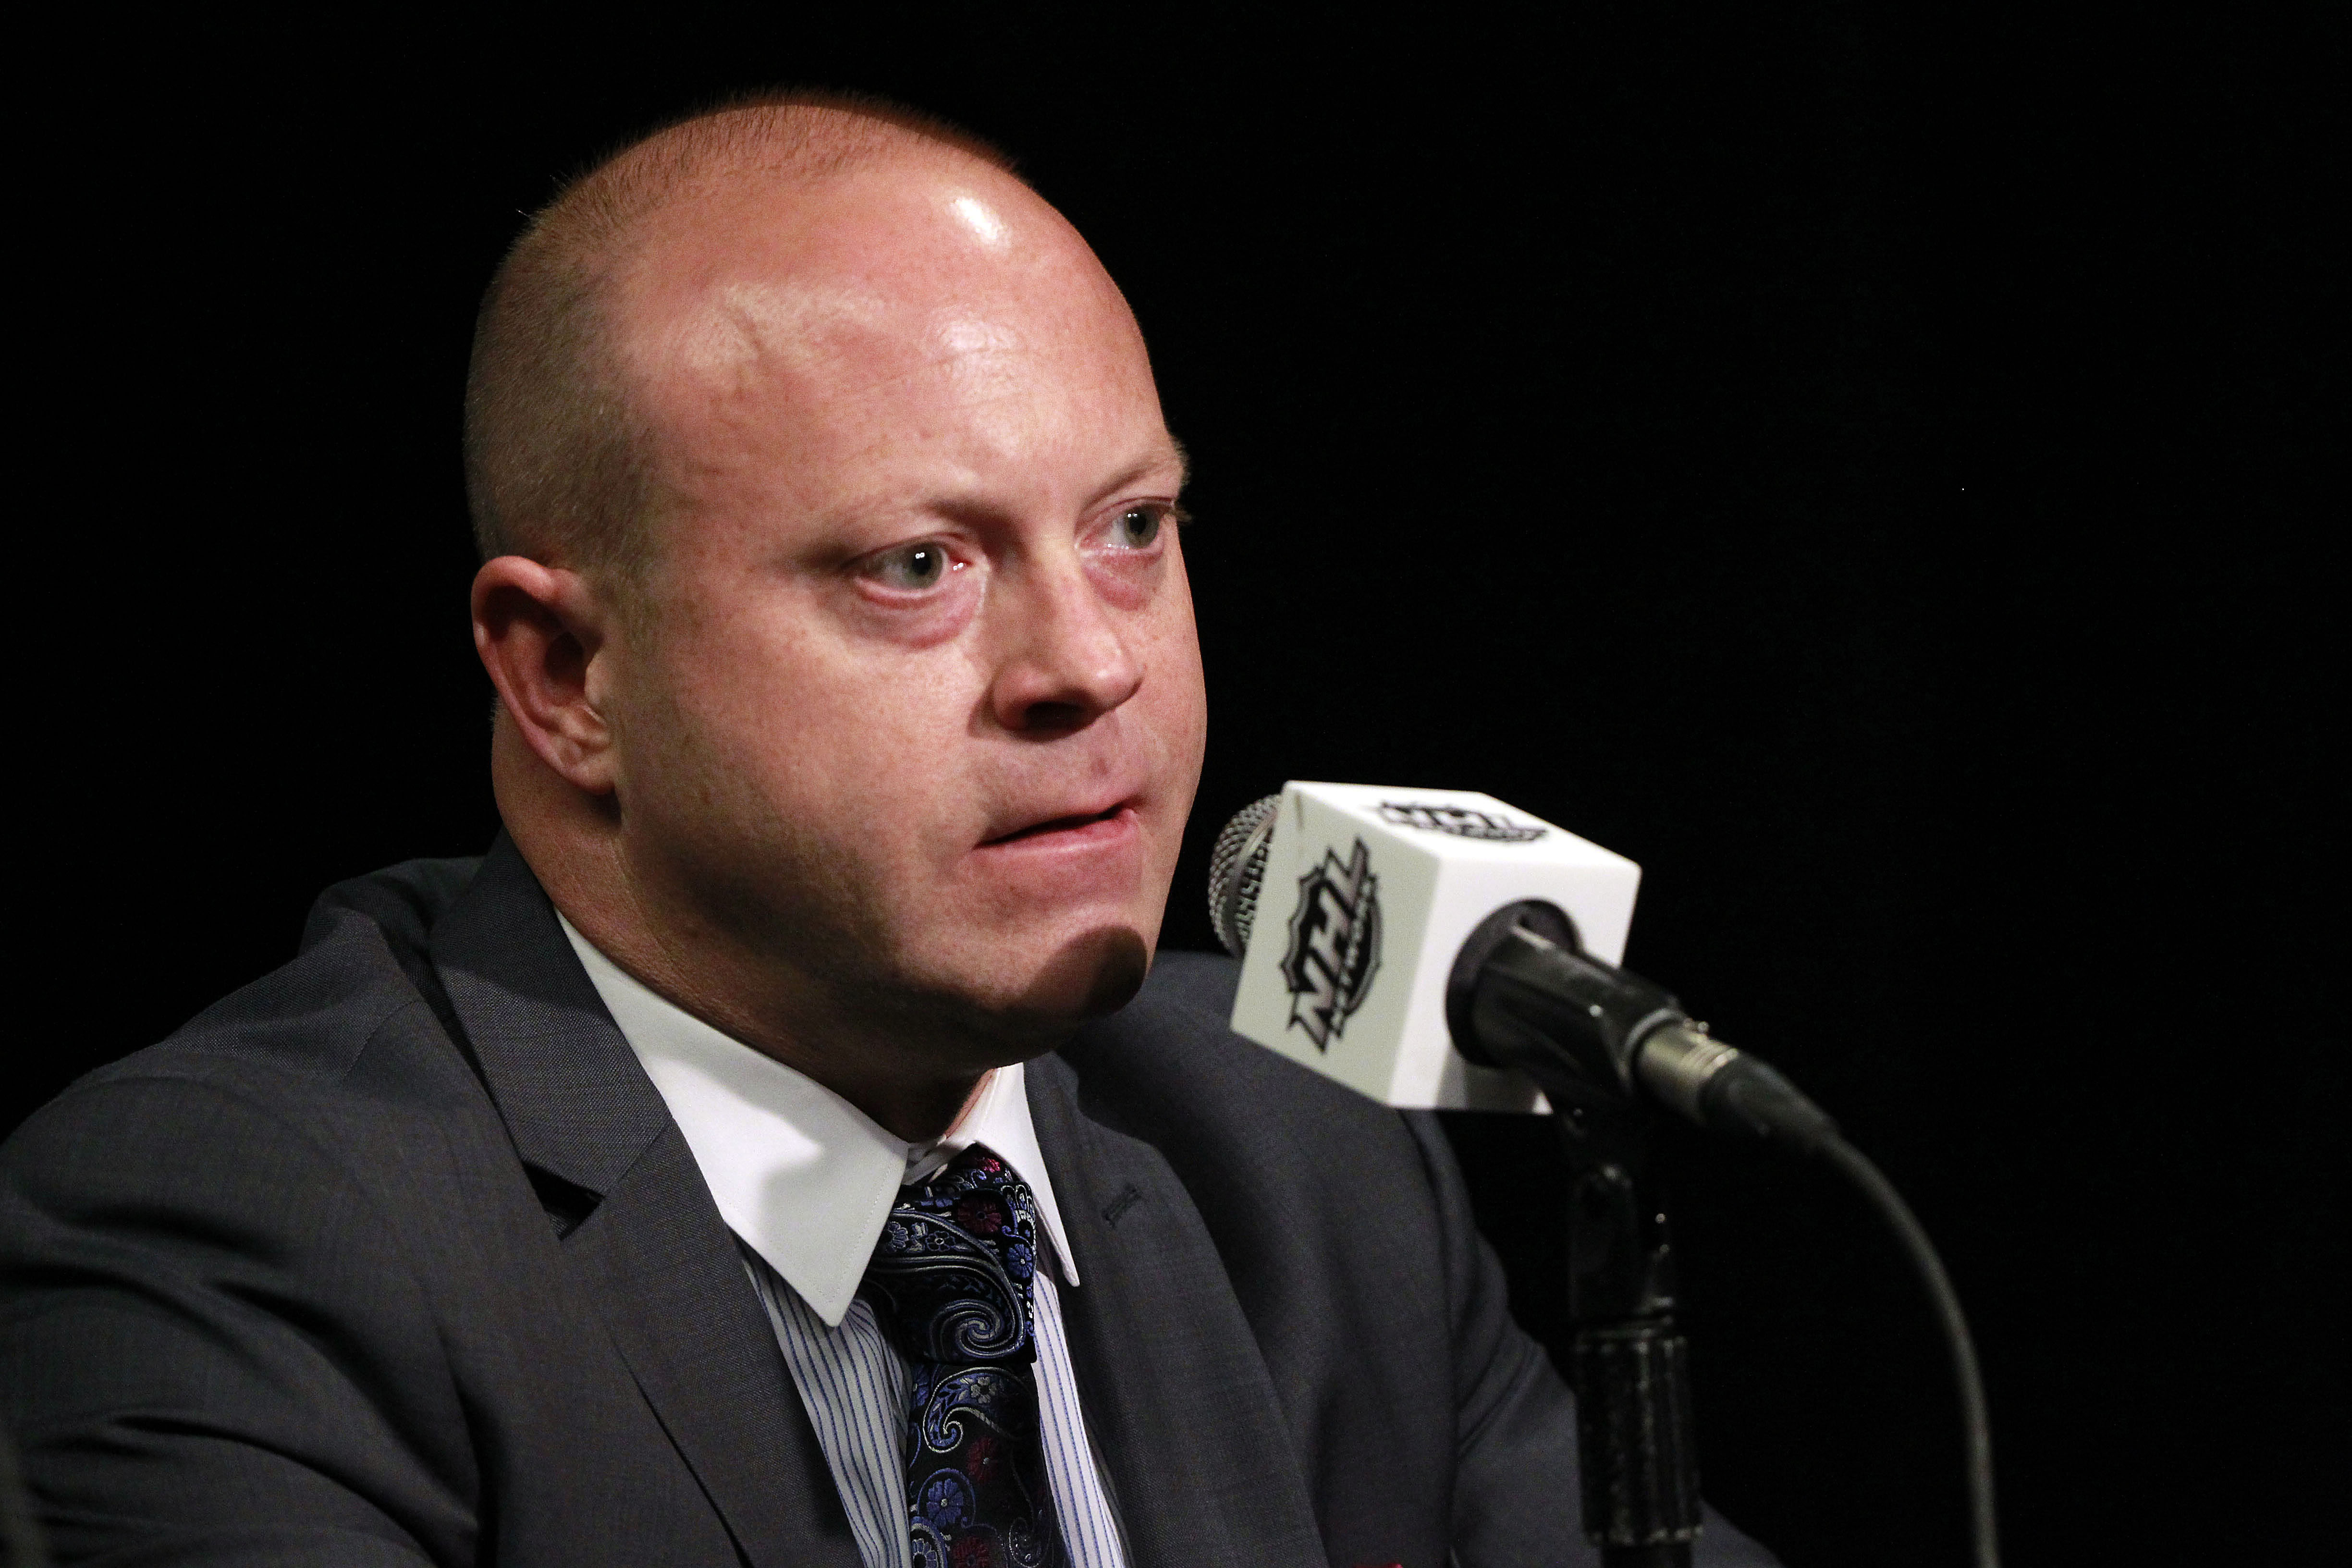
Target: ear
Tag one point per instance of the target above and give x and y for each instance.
(539, 631)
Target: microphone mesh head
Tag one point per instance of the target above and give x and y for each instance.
(1236, 871)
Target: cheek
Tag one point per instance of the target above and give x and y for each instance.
(850, 740)
(1182, 686)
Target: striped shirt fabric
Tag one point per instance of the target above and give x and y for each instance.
(856, 1385)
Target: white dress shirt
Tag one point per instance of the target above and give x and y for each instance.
(806, 1180)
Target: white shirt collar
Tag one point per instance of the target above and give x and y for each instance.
(805, 1177)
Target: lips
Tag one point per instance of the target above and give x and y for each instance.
(1066, 822)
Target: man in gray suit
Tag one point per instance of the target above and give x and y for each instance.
(629, 1194)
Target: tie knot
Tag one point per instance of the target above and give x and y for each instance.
(953, 1269)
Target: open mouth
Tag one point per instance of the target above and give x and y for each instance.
(1061, 825)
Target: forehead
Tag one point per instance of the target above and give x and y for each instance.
(913, 279)
(893, 337)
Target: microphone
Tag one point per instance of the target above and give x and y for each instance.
(1438, 949)
(1424, 919)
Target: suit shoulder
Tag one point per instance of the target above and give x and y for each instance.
(1170, 1053)
(1203, 982)
(291, 1039)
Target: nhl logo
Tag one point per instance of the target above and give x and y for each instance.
(1335, 943)
(1460, 821)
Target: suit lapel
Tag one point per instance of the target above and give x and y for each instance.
(1175, 1390)
(652, 1252)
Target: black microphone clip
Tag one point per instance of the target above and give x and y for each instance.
(1596, 1039)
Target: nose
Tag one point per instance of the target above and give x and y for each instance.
(1065, 663)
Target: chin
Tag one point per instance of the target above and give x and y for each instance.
(1085, 976)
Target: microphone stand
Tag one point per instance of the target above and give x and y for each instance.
(1637, 1440)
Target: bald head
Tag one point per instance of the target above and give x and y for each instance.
(833, 592)
(563, 445)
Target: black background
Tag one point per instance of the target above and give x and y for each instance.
(1867, 471)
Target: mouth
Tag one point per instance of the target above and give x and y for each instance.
(1110, 817)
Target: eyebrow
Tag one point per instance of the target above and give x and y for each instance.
(1129, 474)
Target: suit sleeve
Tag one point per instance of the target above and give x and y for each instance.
(1515, 1480)
(211, 1349)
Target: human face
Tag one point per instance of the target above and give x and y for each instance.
(916, 712)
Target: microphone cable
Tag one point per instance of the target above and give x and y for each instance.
(1975, 1420)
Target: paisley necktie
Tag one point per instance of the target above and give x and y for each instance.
(950, 1283)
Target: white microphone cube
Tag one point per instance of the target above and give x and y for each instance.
(1369, 893)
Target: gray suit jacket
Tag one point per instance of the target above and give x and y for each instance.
(396, 1257)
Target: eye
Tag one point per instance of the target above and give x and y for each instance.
(1136, 527)
(909, 568)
